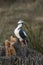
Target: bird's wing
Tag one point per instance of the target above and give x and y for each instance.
(22, 34)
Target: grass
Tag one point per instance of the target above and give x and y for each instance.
(9, 17)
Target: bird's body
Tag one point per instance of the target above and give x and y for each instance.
(20, 33)
(16, 32)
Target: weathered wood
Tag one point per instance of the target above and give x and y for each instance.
(25, 56)
(30, 60)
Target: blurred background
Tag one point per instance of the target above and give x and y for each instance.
(30, 11)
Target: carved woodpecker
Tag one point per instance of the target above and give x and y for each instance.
(20, 33)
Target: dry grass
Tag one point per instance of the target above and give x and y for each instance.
(9, 16)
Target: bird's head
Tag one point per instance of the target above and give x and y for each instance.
(20, 22)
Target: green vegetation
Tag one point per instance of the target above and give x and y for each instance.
(35, 34)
